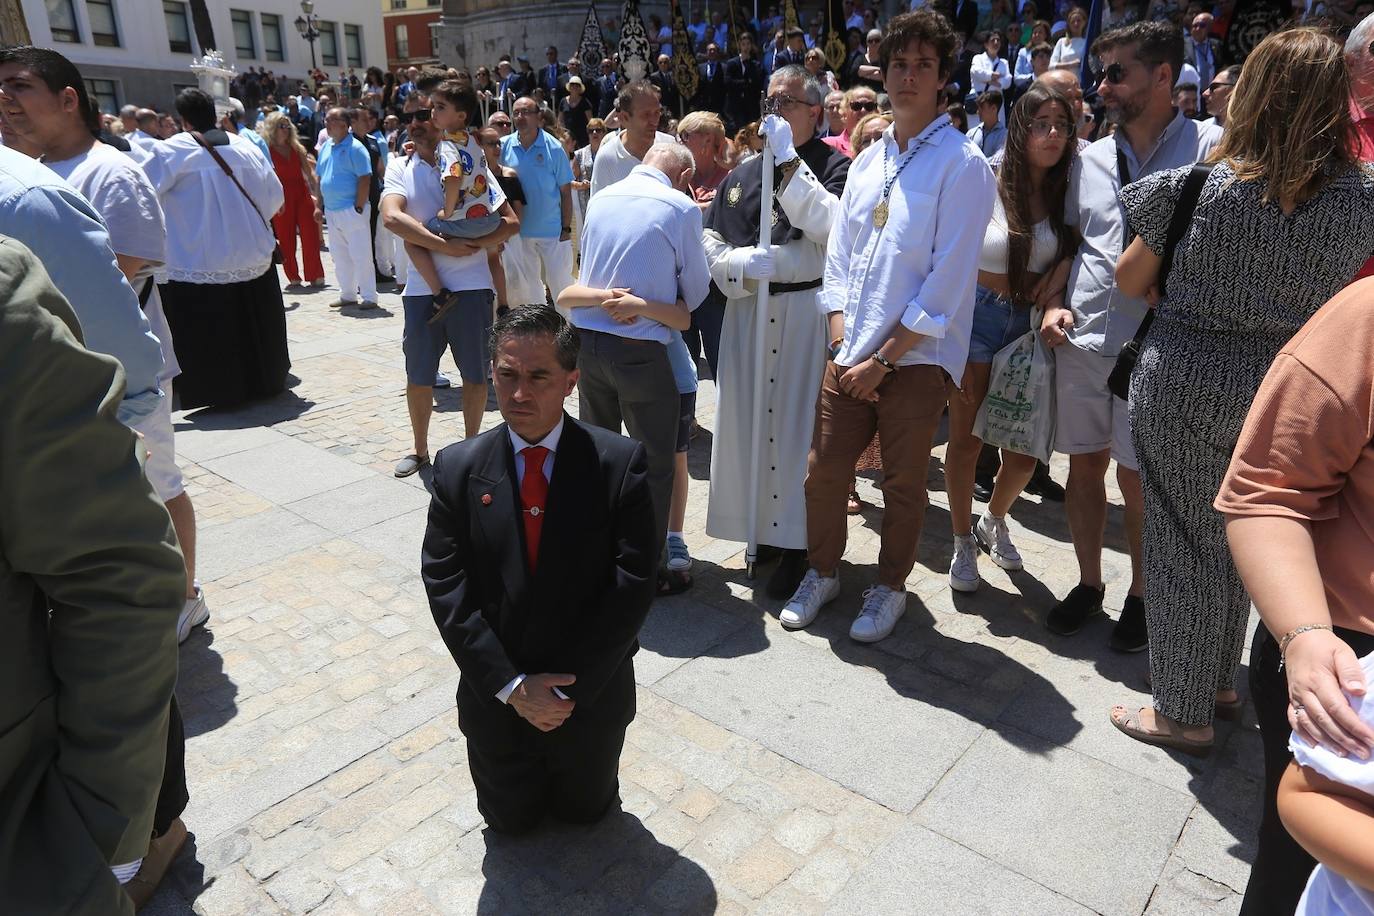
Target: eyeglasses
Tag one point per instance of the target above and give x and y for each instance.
(782, 100)
(1040, 128)
(863, 106)
(422, 115)
(596, 130)
(1115, 74)
(1214, 85)
(495, 143)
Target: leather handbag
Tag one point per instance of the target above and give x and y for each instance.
(219, 160)
(1119, 382)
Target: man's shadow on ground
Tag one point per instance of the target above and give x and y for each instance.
(613, 866)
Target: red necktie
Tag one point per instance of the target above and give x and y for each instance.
(534, 492)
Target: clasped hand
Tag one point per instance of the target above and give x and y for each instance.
(1322, 669)
(861, 382)
(623, 305)
(536, 703)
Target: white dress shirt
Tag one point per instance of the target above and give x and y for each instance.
(984, 68)
(920, 268)
(549, 442)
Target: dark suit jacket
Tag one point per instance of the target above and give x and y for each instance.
(581, 610)
(607, 89)
(710, 91)
(743, 85)
(966, 17)
(667, 91)
(1218, 54)
(553, 90)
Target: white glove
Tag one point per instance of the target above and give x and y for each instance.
(758, 264)
(779, 134)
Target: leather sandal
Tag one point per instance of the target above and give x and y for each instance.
(1229, 710)
(1127, 721)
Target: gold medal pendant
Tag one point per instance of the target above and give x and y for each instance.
(880, 213)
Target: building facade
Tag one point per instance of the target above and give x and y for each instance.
(139, 51)
(409, 29)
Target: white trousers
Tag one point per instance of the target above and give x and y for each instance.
(385, 247)
(534, 264)
(350, 244)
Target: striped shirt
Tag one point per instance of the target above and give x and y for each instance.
(645, 236)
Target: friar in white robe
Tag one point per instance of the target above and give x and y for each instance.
(806, 197)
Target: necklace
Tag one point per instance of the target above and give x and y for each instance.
(880, 211)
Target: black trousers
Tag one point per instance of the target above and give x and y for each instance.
(577, 783)
(630, 381)
(703, 337)
(173, 796)
(1281, 867)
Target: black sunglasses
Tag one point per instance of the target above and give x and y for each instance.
(1115, 74)
(863, 106)
(422, 115)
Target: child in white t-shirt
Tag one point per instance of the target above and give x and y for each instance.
(1327, 803)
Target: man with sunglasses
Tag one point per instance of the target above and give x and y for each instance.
(1216, 98)
(808, 178)
(858, 102)
(1141, 64)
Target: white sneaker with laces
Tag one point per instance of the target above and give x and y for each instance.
(881, 610)
(193, 613)
(806, 602)
(993, 536)
(963, 569)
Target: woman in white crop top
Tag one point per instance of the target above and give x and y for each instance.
(1024, 264)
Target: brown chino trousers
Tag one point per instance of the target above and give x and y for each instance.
(905, 416)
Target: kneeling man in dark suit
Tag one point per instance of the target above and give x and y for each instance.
(540, 561)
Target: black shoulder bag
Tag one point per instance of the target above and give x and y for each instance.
(1119, 382)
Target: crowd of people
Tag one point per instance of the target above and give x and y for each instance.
(1145, 265)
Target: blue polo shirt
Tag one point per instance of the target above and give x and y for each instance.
(543, 169)
(340, 166)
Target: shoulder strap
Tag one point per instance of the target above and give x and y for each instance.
(1178, 224)
(1182, 217)
(219, 160)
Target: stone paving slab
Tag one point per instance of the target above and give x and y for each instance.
(964, 765)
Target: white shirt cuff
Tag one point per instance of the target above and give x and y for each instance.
(504, 694)
(920, 321)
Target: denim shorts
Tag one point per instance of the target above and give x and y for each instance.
(471, 228)
(996, 323)
(463, 330)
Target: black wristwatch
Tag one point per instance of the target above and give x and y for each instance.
(883, 361)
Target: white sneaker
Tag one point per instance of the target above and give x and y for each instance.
(881, 610)
(814, 593)
(963, 569)
(993, 536)
(193, 614)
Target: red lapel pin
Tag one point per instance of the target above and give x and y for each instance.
(486, 499)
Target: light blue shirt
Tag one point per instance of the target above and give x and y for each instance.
(643, 235)
(989, 140)
(381, 145)
(340, 166)
(255, 138)
(56, 223)
(544, 169)
(683, 366)
(1104, 317)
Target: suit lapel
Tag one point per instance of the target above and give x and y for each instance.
(497, 492)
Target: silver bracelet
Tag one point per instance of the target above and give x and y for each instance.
(1293, 634)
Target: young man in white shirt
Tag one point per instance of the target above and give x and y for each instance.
(898, 291)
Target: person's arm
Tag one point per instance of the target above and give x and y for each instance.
(577, 296)
(409, 229)
(870, 72)
(1137, 271)
(360, 195)
(130, 266)
(610, 630)
(510, 225)
(1284, 476)
(99, 546)
(1332, 821)
(980, 72)
(565, 207)
(59, 226)
(624, 306)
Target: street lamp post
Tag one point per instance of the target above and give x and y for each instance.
(308, 26)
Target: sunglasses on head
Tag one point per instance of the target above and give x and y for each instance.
(863, 106)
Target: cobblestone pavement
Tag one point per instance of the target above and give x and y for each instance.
(964, 765)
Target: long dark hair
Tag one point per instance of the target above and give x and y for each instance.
(1014, 187)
